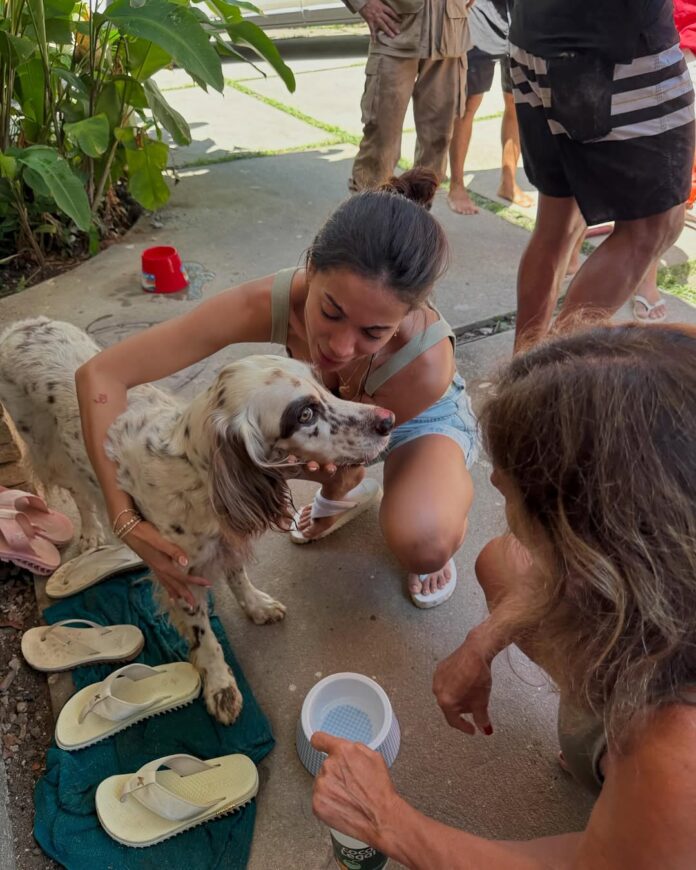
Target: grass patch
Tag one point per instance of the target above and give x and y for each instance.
(338, 132)
(490, 117)
(232, 156)
(303, 72)
(675, 281)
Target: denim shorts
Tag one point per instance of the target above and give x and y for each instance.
(451, 416)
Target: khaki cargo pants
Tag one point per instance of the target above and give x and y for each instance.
(438, 91)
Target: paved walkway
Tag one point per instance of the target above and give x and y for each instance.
(235, 218)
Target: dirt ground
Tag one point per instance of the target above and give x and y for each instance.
(26, 724)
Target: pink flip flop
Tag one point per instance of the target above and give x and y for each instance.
(50, 524)
(20, 544)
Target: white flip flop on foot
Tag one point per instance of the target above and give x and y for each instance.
(126, 696)
(90, 568)
(63, 646)
(151, 805)
(439, 596)
(641, 304)
(348, 508)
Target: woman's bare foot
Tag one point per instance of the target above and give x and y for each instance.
(313, 528)
(459, 200)
(514, 194)
(434, 581)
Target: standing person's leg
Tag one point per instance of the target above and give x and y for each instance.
(479, 77)
(559, 222)
(510, 142)
(613, 272)
(543, 265)
(388, 87)
(458, 199)
(574, 262)
(438, 95)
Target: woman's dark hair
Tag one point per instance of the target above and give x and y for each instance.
(597, 433)
(387, 235)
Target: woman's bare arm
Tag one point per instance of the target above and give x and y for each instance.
(237, 315)
(241, 314)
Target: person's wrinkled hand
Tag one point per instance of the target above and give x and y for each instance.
(353, 791)
(462, 687)
(166, 560)
(380, 18)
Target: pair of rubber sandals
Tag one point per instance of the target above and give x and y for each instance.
(30, 532)
(354, 503)
(153, 804)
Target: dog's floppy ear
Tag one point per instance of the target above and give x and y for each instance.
(248, 498)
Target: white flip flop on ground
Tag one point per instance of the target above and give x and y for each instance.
(90, 567)
(74, 642)
(151, 805)
(425, 602)
(128, 695)
(348, 508)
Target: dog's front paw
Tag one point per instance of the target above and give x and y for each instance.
(223, 698)
(265, 609)
(91, 540)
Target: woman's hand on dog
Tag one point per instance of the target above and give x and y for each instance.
(310, 470)
(166, 560)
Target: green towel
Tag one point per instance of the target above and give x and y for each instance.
(66, 825)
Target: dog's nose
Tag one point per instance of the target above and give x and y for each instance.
(384, 421)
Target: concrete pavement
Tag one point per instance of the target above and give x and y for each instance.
(347, 609)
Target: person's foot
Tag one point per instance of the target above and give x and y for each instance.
(341, 508)
(514, 194)
(459, 200)
(649, 306)
(312, 528)
(436, 580)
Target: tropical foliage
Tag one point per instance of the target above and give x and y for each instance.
(80, 111)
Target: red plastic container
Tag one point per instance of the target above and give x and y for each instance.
(162, 270)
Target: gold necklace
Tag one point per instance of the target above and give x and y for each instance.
(344, 385)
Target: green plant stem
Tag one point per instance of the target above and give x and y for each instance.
(105, 174)
(26, 226)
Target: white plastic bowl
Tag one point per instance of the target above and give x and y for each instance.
(351, 706)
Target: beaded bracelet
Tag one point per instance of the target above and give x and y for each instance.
(119, 515)
(127, 527)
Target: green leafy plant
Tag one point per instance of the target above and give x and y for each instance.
(81, 116)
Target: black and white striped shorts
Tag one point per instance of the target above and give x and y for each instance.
(617, 137)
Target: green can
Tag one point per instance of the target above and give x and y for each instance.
(352, 854)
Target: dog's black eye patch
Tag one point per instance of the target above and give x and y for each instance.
(300, 412)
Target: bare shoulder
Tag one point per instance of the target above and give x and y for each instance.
(666, 747)
(423, 381)
(644, 815)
